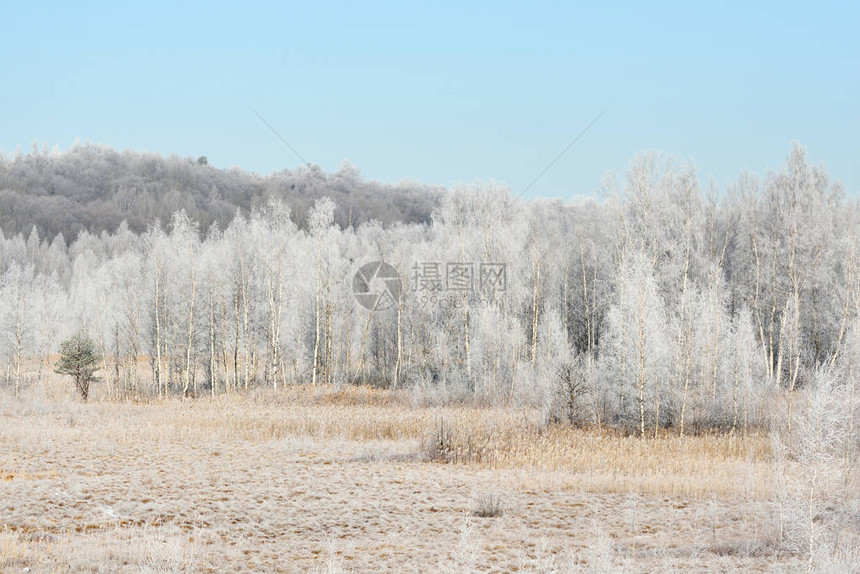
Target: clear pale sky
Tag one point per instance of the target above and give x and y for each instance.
(441, 92)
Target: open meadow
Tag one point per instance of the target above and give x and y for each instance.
(325, 480)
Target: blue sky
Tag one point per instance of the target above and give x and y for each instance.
(441, 92)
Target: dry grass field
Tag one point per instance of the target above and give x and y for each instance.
(360, 480)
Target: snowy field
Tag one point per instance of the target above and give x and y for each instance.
(360, 480)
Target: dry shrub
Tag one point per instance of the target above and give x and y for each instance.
(489, 504)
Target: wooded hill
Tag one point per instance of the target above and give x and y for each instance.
(94, 188)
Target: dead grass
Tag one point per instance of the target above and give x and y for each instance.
(319, 479)
(605, 461)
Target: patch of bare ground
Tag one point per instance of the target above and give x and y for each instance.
(359, 480)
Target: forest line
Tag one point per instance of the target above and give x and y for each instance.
(660, 306)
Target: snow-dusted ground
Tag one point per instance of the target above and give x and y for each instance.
(322, 481)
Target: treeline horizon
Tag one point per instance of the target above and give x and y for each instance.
(662, 306)
(94, 188)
